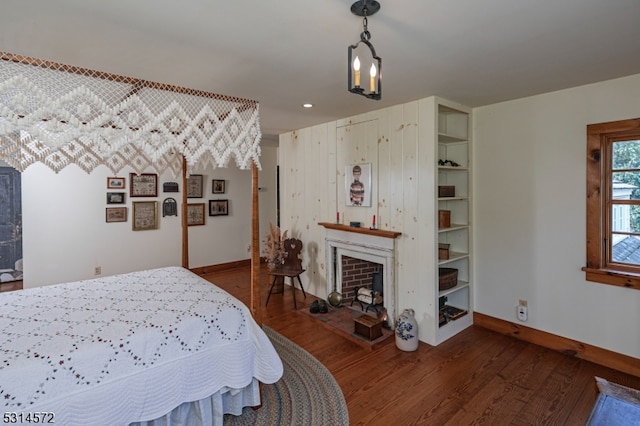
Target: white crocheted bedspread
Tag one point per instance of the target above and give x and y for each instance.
(126, 348)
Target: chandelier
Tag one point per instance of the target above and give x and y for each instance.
(365, 8)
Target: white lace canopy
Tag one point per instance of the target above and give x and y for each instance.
(59, 115)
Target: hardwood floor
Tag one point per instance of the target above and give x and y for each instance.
(477, 377)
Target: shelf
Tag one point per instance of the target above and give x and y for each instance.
(361, 230)
(452, 168)
(448, 138)
(461, 198)
(453, 227)
(461, 285)
(453, 256)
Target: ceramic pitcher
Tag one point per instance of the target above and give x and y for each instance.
(407, 331)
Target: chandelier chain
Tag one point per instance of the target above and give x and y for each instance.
(366, 35)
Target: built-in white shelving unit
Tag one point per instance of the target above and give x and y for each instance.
(453, 167)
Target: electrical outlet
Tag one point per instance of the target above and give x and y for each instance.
(97, 270)
(522, 312)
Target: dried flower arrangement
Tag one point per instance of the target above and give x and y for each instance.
(273, 251)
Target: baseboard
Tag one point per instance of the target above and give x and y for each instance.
(570, 347)
(221, 267)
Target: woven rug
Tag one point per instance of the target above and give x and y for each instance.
(307, 393)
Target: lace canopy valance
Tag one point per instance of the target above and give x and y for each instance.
(59, 115)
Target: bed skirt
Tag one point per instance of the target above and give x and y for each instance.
(209, 410)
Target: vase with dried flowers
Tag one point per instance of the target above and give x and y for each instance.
(273, 251)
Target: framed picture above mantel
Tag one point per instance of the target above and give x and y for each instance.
(357, 181)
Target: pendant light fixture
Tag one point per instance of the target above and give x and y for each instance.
(359, 55)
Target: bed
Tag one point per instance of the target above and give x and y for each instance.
(130, 348)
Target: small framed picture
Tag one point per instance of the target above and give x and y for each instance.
(195, 214)
(194, 186)
(143, 185)
(115, 197)
(115, 183)
(116, 214)
(218, 207)
(218, 186)
(145, 215)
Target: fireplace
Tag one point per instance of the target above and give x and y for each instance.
(358, 273)
(370, 245)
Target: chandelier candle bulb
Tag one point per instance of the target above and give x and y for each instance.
(372, 82)
(356, 69)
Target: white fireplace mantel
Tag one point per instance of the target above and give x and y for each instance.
(373, 245)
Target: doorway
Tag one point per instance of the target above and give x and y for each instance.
(10, 225)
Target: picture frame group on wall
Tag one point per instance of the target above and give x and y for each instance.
(143, 185)
(194, 186)
(116, 214)
(218, 207)
(195, 214)
(145, 215)
(218, 186)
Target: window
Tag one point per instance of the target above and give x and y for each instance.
(613, 203)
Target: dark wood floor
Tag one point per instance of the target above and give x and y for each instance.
(477, 377)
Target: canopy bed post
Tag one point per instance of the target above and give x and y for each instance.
(256, 300)
(185, 225)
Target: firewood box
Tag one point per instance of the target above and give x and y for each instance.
(368, 327)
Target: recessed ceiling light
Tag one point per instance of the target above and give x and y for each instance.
(307, 105)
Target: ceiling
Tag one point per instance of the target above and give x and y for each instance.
(284, 53)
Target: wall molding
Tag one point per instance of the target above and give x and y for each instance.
(570, 347)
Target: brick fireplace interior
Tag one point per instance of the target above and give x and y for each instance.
(356, 273)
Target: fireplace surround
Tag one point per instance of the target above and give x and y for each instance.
(373, 245)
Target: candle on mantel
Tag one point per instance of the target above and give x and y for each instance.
(372, 80)
(374, 221)
(337, 217)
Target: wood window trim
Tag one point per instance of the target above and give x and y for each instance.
(599, 136)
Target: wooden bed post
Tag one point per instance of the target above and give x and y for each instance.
(185, 226)
(256, 301)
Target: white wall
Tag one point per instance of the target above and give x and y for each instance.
(65, 235)
(530, 216)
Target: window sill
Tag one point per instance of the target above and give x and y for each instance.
(613, 277)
